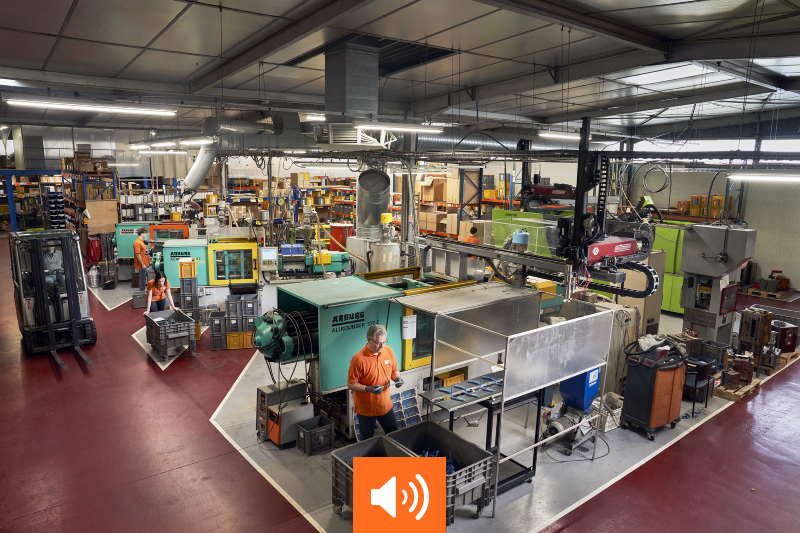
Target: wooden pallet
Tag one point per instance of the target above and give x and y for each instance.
(774, 295)
(786, 359)
(736, 395)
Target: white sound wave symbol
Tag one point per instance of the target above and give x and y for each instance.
(425, 497)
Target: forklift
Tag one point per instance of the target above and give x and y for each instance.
(50, 293)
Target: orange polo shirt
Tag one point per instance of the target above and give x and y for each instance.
(368, 369)
(472, 240)
(159, 293)
(139, 247)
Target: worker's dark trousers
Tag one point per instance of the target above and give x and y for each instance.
(142, 279)
(160, 305)
(388, 422)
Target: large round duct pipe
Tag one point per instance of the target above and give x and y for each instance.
(460, 140)
(213, 126)
(372, 199)
(202, 164)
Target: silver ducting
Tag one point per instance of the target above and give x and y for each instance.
(202, 164)
(470, 140)
(213, 126)
(372, 199)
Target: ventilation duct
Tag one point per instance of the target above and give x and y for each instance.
(197, 174)
(351, 80)
(455, 139)
(212, 126)
(372, 199)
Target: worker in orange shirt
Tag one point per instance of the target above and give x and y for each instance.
(140, 258)
(472, 239)
(371, 372)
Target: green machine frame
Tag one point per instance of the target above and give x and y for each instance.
(345, 308)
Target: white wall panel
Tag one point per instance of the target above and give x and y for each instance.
(772, 209)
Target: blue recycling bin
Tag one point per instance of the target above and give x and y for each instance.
(579, 391)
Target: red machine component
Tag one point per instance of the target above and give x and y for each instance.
(558, 190)
(612, 247)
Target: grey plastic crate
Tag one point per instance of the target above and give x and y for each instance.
(232, 305)
(233, 324)
(248, 323)
(471, 484)
(342, 470)
(217, 323)
(188, 302)
(250, 305)
(188, 286)
(714, 350)
(139, 299)
(219, 341)
(315, 435)
(163, 336)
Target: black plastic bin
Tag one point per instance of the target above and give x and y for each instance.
(315, 435)
(342, 469)
(472, 483)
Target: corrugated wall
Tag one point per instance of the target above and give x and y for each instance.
(773, 210)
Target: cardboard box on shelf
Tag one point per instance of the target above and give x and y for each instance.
(684, 207)
(697, 200)
(454, 186)
(435, 191)
(452, 223)
(697, 211)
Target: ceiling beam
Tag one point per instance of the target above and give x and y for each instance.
(766, 46)
(662, 103)
(749, 75)
(588, 23)
(717, 122)
(323, 17)
(596, 67)
(26, 79)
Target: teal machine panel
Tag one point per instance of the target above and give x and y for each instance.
(125, 235)
(178, 249)
(345, 307)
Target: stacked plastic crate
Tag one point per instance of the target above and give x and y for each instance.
(54, 206)
(189, 301)
(241, 311)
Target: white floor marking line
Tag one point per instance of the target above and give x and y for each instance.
(147, 348)
(235, 383)
(94, 291)
(271, 481)
(634, 467)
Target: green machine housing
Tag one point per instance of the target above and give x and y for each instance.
(176, 250)
(125, 235)
(337, 313)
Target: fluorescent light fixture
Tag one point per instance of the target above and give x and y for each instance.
(391, 126)
(3, 127)
(560, 135)
(163, 144)
(139, 146)
(316, 118)
(196, 142)
(765, 175)
(86, 105)
(151, 152)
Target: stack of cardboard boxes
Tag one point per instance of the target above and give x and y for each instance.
(698, 206)
(485, 231)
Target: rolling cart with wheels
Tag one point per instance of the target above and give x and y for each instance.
(653, 389)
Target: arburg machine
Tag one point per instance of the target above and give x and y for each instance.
(50, 293)
(588, 246)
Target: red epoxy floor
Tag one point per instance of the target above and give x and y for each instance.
(122, 446)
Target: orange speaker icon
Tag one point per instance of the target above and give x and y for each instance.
(411, 491)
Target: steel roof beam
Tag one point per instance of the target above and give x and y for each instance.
(653, 105)
(328, 15)
(766, 46)
(589, 23)
(733, 70)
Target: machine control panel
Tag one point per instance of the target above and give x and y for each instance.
(269, 259)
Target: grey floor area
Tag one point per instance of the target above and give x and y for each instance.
(560, 481)
(114, 297)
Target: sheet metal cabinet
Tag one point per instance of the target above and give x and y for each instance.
(653, 391)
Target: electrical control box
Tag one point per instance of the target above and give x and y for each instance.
(269, 259)
(279, 408)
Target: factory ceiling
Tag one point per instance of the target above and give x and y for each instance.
(654, 65)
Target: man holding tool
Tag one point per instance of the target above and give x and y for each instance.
(371, 372)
